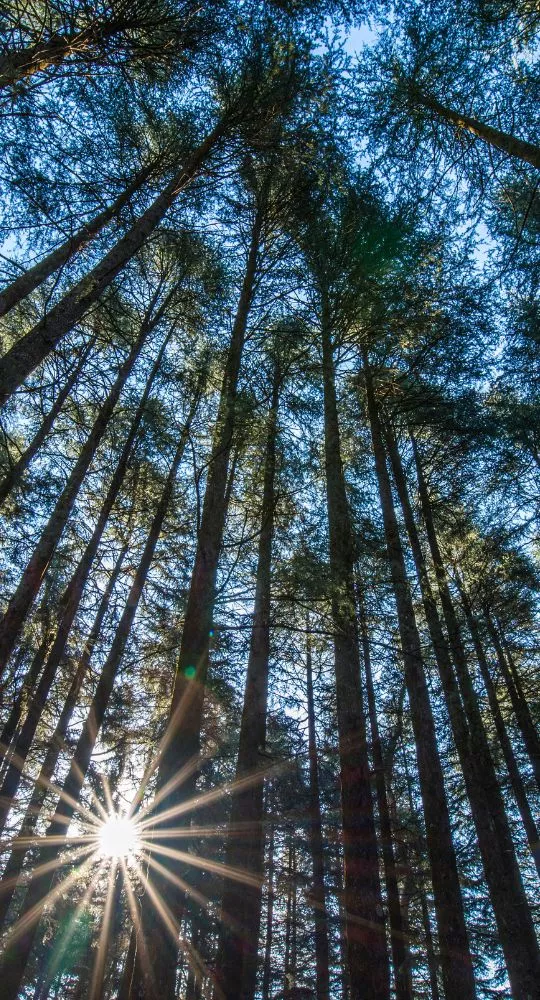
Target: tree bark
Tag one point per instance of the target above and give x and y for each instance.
(398, 939)
(456, 961)
(369, 970)
(518, 700)
(182, 741)
(27, 687)
(28, 352)
(31, 279)
(516, 781)
(241, 903)
(21, 602)
(70, 604)
(267, 965)
(320, 913)
(510, 144)
(512, 912)
(17, 954)
(14, 476)
(20, 845)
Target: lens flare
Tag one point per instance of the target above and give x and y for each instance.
(118, 837)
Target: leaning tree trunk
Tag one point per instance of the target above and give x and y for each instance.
(456, 961)
(15, 474)
(36, 275)
(70, 604)
(516, 781)
(22, 842)
(398, 939)
(241, 903)
(510, 144)
(182, 741)
(20, 64)
(28, 352)
(519, 703)
(369, 970)
(18, 950)
(21, 602)
(27, 687)
(512, 912)
(316, 842)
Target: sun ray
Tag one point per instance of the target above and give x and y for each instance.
(29, 919)
(98, 973)
(142, 948)
(237, 874)
(70, 930)
(43, 869)
(107, 791)
(172, 927)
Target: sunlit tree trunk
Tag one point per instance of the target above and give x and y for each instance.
(267, 965)
(369, 970)
(17, 954)
(456, 961)
(518, 148)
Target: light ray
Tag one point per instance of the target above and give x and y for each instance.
(142, 955)
(98, 974)
(32, 916)
(236, 874)
(204, 901)
(72, 926)
(47, 866)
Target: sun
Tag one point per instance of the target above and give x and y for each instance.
(118, 837)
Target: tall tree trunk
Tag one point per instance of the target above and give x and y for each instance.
(456, 961)
(36, 275)
(320, 913)
(512, 912)
(267, 965)
(369, 970)
(27, 687)
(28, 352)
(70, 603)
(17, 954)
(21, 602)
(522, 712)
(15, 474)
(241, 903)
(516, 781)
(182, 742)
(290, 917)
(21, 844)
(398, 940)
(510, 144)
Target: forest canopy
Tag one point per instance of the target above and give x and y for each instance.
(269, 500)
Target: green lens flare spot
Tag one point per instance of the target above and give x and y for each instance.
(190, 672)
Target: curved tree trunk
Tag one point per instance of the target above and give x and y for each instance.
(455, 957)
(28, 352)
